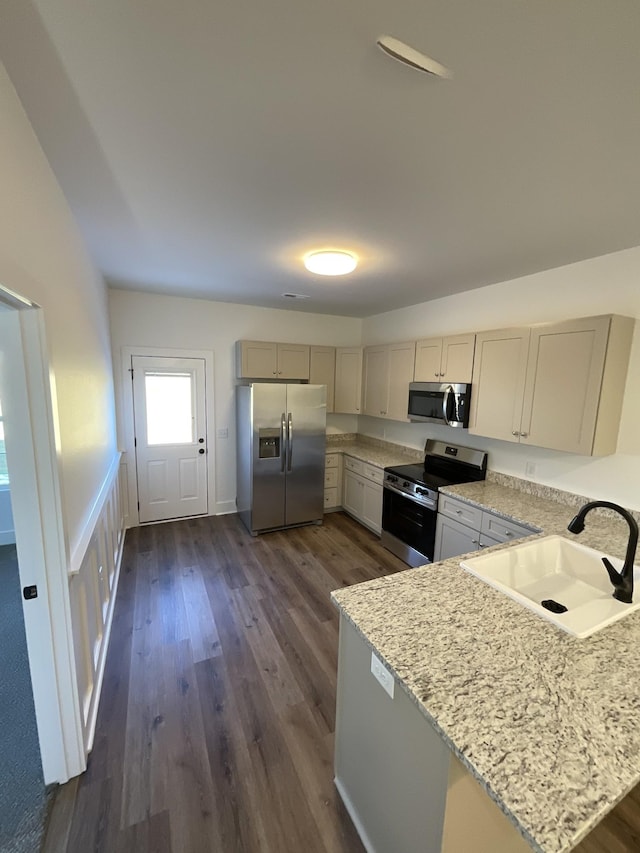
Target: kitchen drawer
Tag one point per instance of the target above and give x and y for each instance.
(372, 472)
(330, 498)
(352, 464)
(330, 478)
(503, 530)
(332, 460)
(460, 511)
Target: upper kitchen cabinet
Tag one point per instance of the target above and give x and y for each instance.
(447, 359)
(266, 360)
(497, 389)
(388, 370)
(322, 371)
(348, 389)
(570, 397)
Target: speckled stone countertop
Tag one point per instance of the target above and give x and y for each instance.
(548, 723)
(374, 451)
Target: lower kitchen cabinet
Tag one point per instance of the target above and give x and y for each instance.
(332, 481)
(362, 492)
(462, 527)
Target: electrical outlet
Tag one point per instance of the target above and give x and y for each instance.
(530, 469)
(382, 675)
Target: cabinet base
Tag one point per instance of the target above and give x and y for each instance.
(406, 553)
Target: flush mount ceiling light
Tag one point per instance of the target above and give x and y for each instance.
(330, 262)
(397, 49)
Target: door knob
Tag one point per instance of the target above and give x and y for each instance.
(201, 450)
(201, 441)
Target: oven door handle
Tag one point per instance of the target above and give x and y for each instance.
(427, 504)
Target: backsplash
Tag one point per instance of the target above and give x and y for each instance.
(549, 493)
(517, 483)
(388, 446)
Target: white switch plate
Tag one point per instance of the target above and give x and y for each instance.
(382, 674)
(530, 469)
(222, 433)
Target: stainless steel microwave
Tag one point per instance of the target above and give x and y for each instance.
(440, 403)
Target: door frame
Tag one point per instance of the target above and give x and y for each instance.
(40, 538)
(126, 421)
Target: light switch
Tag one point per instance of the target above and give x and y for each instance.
(222, 433)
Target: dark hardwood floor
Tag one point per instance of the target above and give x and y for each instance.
(215, 727)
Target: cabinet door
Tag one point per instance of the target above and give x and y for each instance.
(257, 360)
(401, 363)
(372, 505)
(322, 371)
(428, 359)
(293, 361)
(564, 378)
(454, 539)
(497, 392)
(353, 499)
(376, 381)
(457, 358)
(348, 391)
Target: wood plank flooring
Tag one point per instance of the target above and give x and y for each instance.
(215, 727)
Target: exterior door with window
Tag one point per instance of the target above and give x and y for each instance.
(170, 431)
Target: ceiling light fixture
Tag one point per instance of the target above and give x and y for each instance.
(330, 262)
(397, 49)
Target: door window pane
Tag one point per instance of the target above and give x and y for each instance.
(169, 403)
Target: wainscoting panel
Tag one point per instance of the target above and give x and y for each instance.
(92, 590)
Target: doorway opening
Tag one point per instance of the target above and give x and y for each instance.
(23, 799)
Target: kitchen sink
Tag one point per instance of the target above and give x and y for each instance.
(568, 577)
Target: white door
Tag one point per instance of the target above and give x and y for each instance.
(170, 436)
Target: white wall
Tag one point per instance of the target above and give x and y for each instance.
(43, 259)
(604, 285)
(150, 320)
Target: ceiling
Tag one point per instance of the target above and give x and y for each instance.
(204, 146)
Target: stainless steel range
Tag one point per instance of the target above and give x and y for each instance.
(410, 497)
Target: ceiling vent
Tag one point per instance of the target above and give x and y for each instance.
(397, 49)
(295, 296)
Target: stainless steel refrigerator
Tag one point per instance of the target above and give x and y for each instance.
(280, 454)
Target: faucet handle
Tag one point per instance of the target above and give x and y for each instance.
(623, 588)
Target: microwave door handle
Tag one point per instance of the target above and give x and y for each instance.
(283, 443)
(445, 404)
(290, 440)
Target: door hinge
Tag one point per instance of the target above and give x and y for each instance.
(131, 372)
(138, 506)
(135, 441)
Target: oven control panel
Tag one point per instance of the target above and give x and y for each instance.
(413, 491)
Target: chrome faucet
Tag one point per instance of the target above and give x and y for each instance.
(622, 581)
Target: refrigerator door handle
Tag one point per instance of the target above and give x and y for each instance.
(283, 443)
(290, 440)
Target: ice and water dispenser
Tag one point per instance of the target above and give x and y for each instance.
(268, 443)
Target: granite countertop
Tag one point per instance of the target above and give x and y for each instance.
(548, 723)
(375, 452)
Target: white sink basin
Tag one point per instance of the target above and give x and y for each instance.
(557, 569)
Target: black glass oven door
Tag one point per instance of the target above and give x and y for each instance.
(411, 523)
